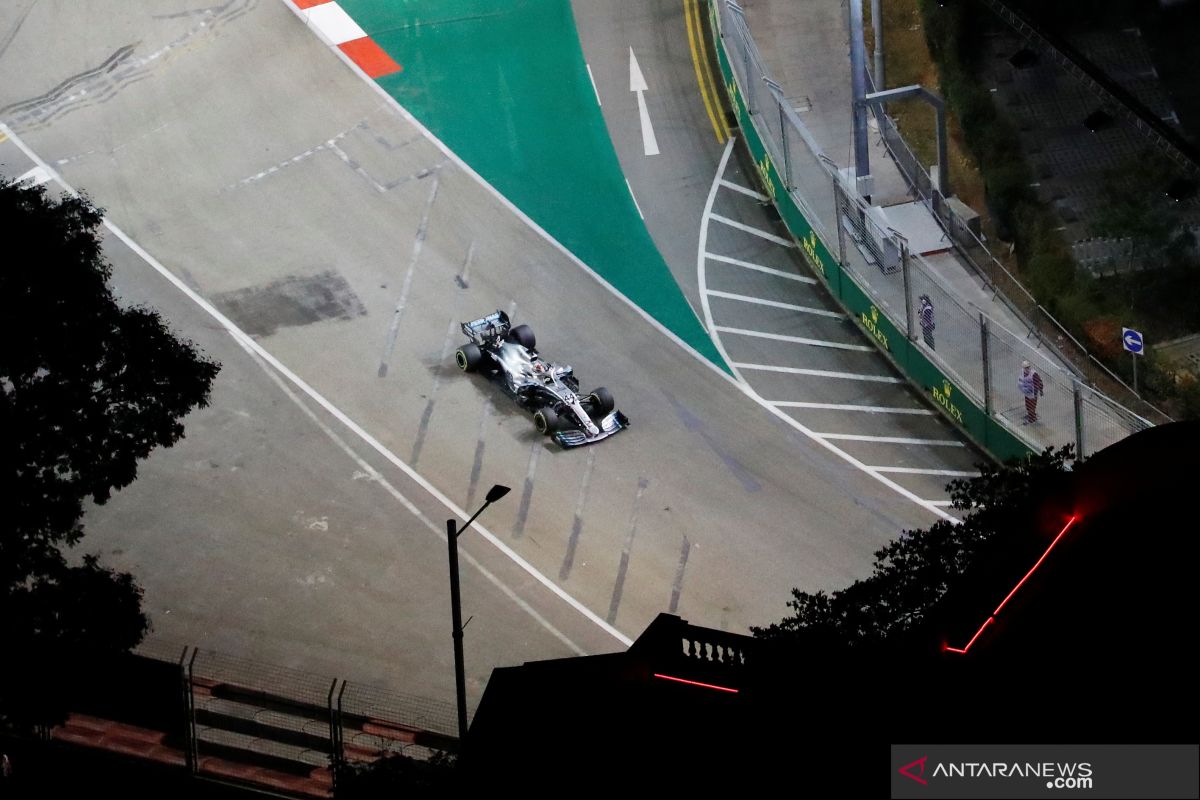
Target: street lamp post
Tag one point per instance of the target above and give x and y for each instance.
(460, 677)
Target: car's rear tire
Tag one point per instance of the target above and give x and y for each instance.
(601, 401)
(546, 420)
(468, 357)
(523, 335)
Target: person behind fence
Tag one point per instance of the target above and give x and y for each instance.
(1030, 384)
(925, 316)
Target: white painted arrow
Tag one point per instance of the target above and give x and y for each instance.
(637, 83)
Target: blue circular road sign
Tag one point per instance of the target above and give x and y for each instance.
(1132, 340)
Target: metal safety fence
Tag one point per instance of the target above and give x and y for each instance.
(246, 721)
(967, 360)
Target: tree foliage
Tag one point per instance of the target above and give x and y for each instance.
(397, 775)
(913, 572)
(88, 388)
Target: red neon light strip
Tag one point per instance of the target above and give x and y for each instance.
(987, 622)
(695, 683)
(1061, 533)
(1020, 583)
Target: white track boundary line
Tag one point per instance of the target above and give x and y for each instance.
(918, 471)
(521, 215)
(859, 437)
(594, 89)
(749, 391)
(760, 268)
(333, 410)
(781, 337)
(745, 298)
(846, 407)
(635, 202)
(737, 187)
(759, 232)
(819, 373)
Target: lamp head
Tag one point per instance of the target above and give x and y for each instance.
(496, 492)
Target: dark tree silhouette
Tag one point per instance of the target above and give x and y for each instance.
(913, 572)
(87, 389)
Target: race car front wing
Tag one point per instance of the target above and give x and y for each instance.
(575, 437)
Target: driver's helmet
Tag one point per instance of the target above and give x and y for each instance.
(539, 367)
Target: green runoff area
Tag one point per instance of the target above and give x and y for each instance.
(504, 85)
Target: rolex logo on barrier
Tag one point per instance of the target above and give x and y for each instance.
(870, 321)
(764, 171)
(942, 398)
(809, 246)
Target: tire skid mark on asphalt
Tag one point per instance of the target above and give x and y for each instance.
(477, 464)
(117, 73)
(577, 525)
(677, 585)
(418, 245)
(527, 491)
(423, 428)
(462, 278)
(626, 550)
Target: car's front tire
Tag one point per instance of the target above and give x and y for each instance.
(601, 401)
(468, 357)
(546, 420)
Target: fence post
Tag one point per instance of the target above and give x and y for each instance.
(909, 319)
(987, 365)
(336, 751)
(186, 674)
(1077, 391)
(841, 232)
(787, 156)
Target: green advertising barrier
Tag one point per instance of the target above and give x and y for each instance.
(962, 410)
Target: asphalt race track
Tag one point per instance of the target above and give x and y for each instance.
(299, 522)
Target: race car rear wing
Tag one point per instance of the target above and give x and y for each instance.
(492, 326)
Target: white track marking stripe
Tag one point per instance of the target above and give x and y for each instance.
(760, 268)
(759, 232)
(749, 391)
(820, 373)
(917, 471)
(858, 437)
(779, 337)
(635, 202)
(594, 89)
(358, 430)
(737, 187)
(845, 407)
(775, 304)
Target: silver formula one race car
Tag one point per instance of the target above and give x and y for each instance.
(551, 391)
